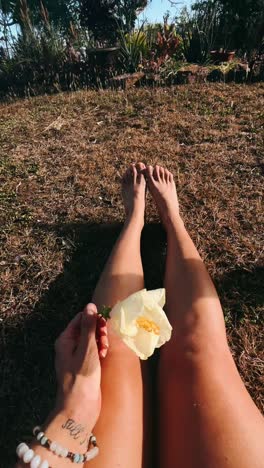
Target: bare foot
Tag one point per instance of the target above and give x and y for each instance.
(162, 187)
(134, 191)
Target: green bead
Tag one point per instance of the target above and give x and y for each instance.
(76, 458)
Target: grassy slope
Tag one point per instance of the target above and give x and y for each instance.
(61, 212)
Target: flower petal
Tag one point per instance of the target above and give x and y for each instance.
(157, 295)
(133, 306)
(130, 316)
(143, 344)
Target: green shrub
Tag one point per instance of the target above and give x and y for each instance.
(134, 47)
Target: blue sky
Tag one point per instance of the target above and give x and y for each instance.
(156, 9)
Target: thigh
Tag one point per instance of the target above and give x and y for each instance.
(207, 418)
(119, 430)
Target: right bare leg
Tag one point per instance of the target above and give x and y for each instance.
(207, 418)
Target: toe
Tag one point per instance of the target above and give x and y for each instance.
(140, 172)
(149, 172)
(162, 174)
(167, 176)
(156, 173)
(140, 166)
(124, 178)
(132, 173)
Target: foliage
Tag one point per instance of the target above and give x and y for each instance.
(37, 58)
(150, 46)
(221, 24)
(245, 21)
(46, 56)
(199, 29)
(38, 54)
(105, 17)
(135, 46)
(168, 42)
(169, 69)
(61, 12)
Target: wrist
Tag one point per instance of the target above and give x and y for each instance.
(62, 434)
(78, 404)
(71, 426)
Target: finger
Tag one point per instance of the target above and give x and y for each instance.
(69, 335)
(103, 353)
(102, 337)
(88, 329)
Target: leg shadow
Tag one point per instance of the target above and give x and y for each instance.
(27, 359)
(241, 294)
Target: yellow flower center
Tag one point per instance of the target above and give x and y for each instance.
(148, 325)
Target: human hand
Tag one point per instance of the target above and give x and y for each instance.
(78, 352)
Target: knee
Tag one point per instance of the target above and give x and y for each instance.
(119, 351)
(191, 354)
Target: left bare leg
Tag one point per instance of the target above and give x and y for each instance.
(120, 425)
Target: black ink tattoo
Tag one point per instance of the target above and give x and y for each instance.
(75, 430)
(86, 439)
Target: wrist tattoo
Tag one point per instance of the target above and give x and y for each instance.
(76, 431)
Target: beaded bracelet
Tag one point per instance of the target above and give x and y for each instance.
(28, 455)
(64, 452)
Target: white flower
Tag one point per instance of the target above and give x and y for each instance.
(141, 322)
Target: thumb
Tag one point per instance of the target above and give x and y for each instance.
(88, 330)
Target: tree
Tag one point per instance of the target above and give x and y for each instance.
(61, 12)
(199, 29)
(246, 21)
(105, 17)
(237, 24)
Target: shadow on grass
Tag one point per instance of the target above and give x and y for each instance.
(27, 360)
(241, 294)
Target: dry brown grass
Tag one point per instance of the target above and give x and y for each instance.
(61, 209)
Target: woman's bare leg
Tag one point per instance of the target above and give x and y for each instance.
(119, 430)
(207, 418)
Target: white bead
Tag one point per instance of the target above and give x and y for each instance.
(28, 456)
(92, 453)
(36, 429)
(64, 453)
(58, 450)
(53, 446)
(21, 449)
(35, 462)
(40, 434)
(44, 464)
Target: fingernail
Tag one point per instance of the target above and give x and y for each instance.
(91, 309)
(103, 353)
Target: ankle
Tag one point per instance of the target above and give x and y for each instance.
(136, 217)
(172, 221)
